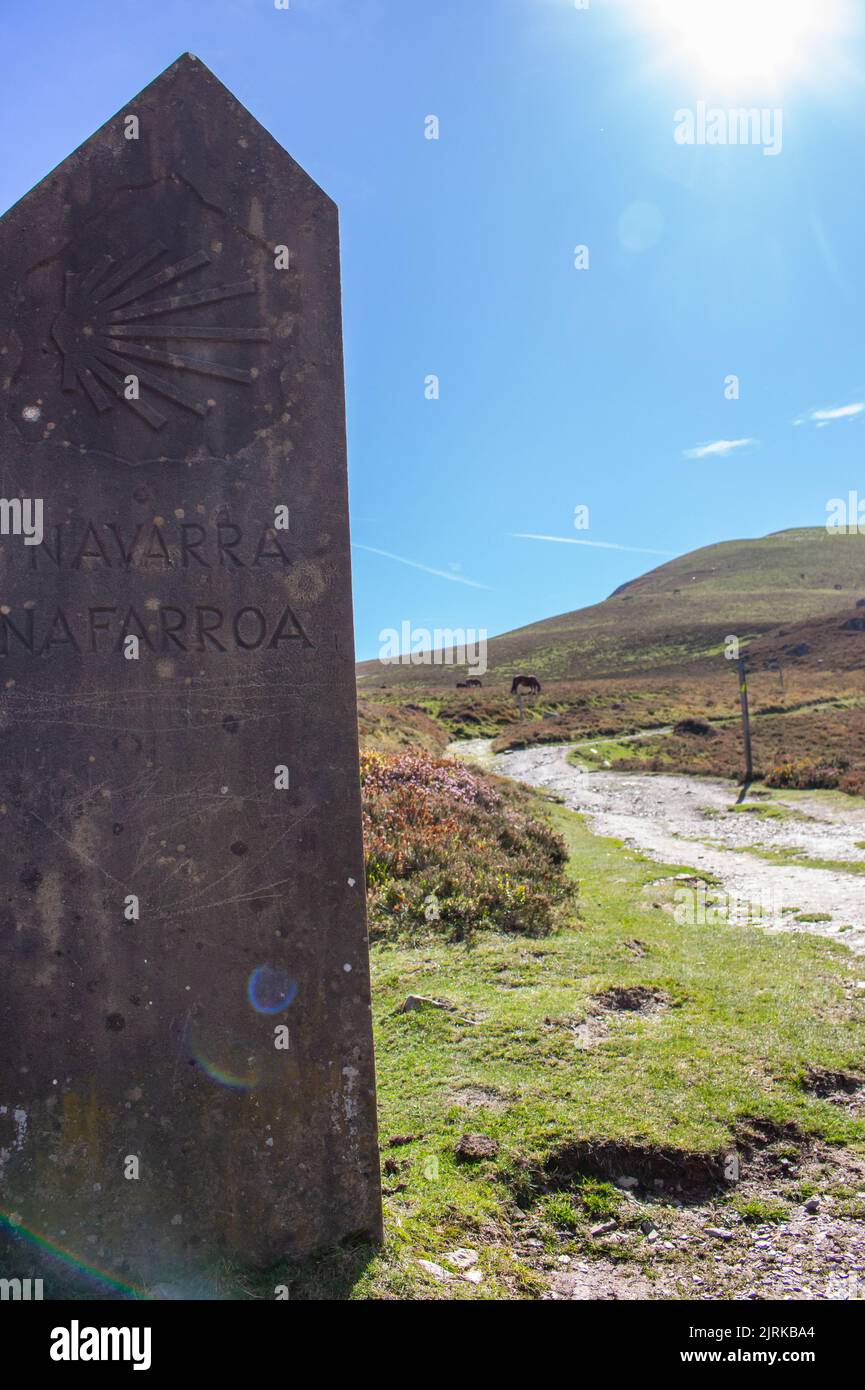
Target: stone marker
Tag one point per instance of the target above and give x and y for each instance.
(186, 1066)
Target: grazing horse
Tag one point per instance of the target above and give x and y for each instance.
(526, 683)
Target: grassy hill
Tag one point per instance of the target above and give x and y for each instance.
(678, 615)
(834, 641)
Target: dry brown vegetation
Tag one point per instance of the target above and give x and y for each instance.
(816, 747)
(389, 728)
(653, 656)
(814, 719)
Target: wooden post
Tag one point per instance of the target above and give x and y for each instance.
(521, 703)
(746, 722)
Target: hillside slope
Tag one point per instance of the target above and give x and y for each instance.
(678, 614)
(832, 642)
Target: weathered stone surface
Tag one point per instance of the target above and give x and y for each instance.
(156, 778)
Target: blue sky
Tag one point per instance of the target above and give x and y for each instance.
(559, 387)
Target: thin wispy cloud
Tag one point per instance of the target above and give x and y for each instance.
(416, 565)
(822, 418)
(598, 545)
(719, 448)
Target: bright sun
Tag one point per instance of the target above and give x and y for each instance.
(741, 40)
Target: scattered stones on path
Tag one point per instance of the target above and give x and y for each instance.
(688, 820)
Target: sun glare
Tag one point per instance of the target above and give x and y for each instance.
(744, 40)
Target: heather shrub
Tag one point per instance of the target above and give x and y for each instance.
(450, 851)
(805, 774)
(697, 727)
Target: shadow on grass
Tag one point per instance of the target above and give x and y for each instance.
(328, 1275)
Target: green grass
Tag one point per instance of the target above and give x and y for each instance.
(750, 1013)
(760, 1211)
(598, 1199)
(787, 854)
(773, 811)
(559, 1209)
(601, 751)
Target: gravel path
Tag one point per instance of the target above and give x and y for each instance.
(688, 821)
(703, 1251)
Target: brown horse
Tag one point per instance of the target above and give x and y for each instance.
(526, 683)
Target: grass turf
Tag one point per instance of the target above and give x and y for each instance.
(748, 1015)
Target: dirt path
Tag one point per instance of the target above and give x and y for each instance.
(704, 1250)
(689, 821)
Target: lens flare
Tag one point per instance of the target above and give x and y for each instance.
(270, 990)
(67, 1257)
(223, 1056)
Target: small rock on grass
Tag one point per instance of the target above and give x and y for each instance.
(436, 1272)
(476, 1146)
(421, 1001)
(718, 1232)
(603, 1228)
(461, 1258)
(812, 1205)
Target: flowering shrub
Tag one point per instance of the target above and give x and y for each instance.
(808, 775)
(450, 851)
(804, 774)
